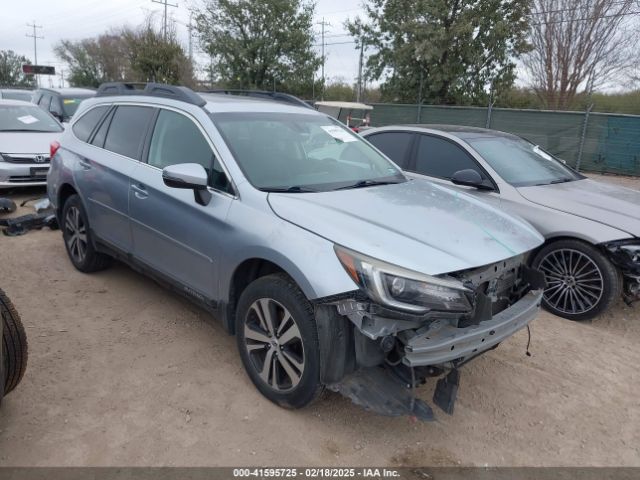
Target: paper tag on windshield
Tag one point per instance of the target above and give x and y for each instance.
(27, 119)
(339, 134)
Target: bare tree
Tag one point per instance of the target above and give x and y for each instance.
(578, 46)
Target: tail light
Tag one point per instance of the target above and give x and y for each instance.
(53, 148)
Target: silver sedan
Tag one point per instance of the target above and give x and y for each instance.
(592, 251)
(26, 134)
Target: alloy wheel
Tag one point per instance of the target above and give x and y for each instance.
(575, 283)
(274, 345)
(75, 234)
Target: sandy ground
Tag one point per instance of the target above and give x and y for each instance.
(122, 372)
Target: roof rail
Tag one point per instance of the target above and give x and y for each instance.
(264, 94)
(174, 92)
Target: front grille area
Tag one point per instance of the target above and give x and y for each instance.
(39, 159)
(27, 178)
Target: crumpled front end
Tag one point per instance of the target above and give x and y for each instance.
(396, 351)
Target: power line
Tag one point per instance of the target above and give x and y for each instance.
(35, 37)
(166, 4)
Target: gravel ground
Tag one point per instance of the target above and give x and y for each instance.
(122, 372)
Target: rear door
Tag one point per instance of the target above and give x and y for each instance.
(178, 238)
(106, 169)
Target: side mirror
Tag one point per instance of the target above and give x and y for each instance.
(190, 176)
(470, 178)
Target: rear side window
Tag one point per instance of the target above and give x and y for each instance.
(127, 130)
(441, 158)
(88, 122)
(394, 145)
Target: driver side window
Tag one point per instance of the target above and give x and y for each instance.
(176, 139)
(441, 158)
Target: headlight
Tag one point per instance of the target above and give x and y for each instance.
(404, 289)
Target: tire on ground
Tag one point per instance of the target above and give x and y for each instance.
(14, 344)
(611, 276)
(281, 288)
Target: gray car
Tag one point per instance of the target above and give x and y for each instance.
(592, 251)
(328, 264)
(62, 103)
(26, 133)
(16, 94)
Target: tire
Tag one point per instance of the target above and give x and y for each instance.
(278, 295)
(78, 240)
(581, 282)
(14, 344)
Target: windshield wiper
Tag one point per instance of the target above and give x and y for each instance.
(292, 189)
(27, 130)
(369, 183)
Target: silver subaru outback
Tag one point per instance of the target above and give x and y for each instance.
(330, 266)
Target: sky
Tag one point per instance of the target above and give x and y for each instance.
(76, 19)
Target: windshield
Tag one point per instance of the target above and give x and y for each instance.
(16, 95)
(26, 118)
(521, 163)
(71, 104)
(302, 152)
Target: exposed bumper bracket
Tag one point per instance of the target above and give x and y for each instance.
(447, 391)
(377, 390)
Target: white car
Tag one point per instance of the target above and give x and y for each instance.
(26, 133)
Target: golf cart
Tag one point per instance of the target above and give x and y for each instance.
(354, 115)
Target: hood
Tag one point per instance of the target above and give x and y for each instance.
(27, 142)
(417, 225)
(611, 205)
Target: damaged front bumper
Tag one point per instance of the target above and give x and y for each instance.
(441, 343)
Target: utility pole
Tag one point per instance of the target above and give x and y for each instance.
(323, 24)
(190, 38)
(166, 4)
(35, 37)
(62, 78)
(360, 91)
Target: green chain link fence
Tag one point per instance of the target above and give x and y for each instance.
(594, 142)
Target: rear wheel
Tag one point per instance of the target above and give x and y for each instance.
(581, 282)
(278, 341)
(14, 344)
(77, 238)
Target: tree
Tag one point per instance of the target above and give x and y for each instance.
(11, 69)
(126, 54)
(578, 45)
(92, 61)
(152, 58)
(458, 50)
(260, 44)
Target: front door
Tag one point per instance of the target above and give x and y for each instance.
(174, 235)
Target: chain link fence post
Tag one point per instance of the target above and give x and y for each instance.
(583, 136)
(489, 110)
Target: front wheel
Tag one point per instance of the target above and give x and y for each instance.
(278, 341)
(581, 282)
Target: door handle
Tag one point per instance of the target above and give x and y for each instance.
(85, 165)
(139, 191)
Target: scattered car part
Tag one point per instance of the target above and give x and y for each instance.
(33, 221)
(7, 205)
(13, 348)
